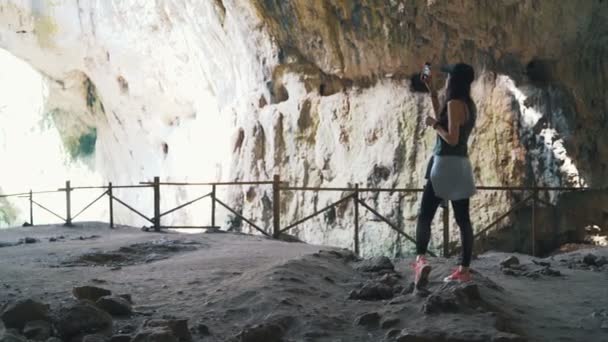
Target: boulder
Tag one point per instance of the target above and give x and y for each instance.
(17, 314)
(376, 264)
(114, 305)
(92, 293)
(82, 318)
(37, 330)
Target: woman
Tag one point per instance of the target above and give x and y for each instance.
(449, 174)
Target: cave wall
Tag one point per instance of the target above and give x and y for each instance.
(319, 92)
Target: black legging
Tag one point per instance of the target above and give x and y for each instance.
(428, 207)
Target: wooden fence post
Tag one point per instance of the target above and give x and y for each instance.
(68, 204)
(156, 204)
(111, 195)
(31, 208)
(213, 205)
(533, 232)
(356, 234)
(276, 206)
(446, 231)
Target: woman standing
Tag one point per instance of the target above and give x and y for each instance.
(449, 174)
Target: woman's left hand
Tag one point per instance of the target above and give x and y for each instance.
(430, 121)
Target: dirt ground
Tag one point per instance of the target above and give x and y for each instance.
(250, 288)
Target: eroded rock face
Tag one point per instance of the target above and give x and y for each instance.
(320, 94)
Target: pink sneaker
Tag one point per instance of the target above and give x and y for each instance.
(421, 270)
(458, 276)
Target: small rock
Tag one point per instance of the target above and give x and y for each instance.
(17, 314)
(90, 292)
(315, 335)
(436, 303)
(268, 332)
(120, 338)
(391, 334)
(550, 272)
(202, 329)
(29, 240)
(507, 337)
(6, 244)
(590, 259)
(407, 336)
(116, 268)
(510, 261)
(372, 291)
(369, 320)
(114, 305)
(155, 335)
(127, 297)
(53, 239)
(178, 327)
(467, 293)
(94, 338)
(37, 330)
(376, 264)
(126, 329)
(389, 322)
(9, 337)
(601, 261)
(542, 263)
(82, 318)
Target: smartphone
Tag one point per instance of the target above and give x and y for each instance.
(426, 71)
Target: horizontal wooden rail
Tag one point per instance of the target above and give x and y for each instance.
(49, 210)
(390, 224)
(316, 213)
(242, 217)
(210, 183)
(184, 205)
(90, 204)
(105, 187)
(513, 209)
(483, 188)
(190, 227)
(23, 194)
(132, 209)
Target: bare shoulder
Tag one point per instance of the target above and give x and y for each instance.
(457, 107)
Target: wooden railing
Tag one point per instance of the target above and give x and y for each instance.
(354, 195)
